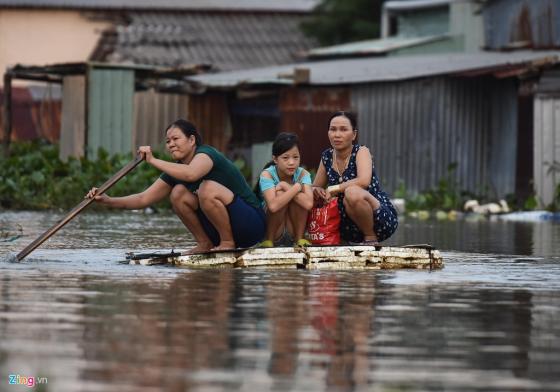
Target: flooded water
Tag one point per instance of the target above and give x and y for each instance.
(75, 319)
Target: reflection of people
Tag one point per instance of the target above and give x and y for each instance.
(366, 212)
(344, 326)
(286, 190)
(286, 313)
(207, 192)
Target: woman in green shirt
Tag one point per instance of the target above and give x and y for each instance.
(207, 191)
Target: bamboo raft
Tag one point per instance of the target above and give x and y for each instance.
(313, 257)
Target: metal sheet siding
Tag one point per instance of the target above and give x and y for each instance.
(536, 21)
(110, 109)
(72, 132)
(417, 129)
(306, 112)
(547, 147)
(153, 112)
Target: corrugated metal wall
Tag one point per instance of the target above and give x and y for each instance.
(153, 112)
(535, 21)
(547, 147)
(210, 114)
(73, 128)
(306, 111)
(110, 108)
(417, 129)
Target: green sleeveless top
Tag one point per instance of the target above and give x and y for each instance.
(223, 171)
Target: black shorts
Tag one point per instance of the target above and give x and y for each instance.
(248, 224)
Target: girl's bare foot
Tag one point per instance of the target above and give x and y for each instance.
(225, 245)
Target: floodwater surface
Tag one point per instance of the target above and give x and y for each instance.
(73, 318)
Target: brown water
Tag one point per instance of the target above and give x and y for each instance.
(74, 315)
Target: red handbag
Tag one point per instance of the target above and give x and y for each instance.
(323, 224)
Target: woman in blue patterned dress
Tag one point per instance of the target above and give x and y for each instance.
(367, 215)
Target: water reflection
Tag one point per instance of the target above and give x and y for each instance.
(487, 322)
(277, 331)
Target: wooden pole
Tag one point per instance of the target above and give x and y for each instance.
(7, 111)
(76, 210)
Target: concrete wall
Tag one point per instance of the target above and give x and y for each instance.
(38, 37)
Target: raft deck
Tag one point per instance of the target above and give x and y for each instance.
(313, 257)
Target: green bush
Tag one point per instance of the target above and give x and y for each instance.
(33, 177)
(445, 196)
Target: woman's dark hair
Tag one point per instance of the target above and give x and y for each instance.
(283, 142)
(350, 116)
(187, 128)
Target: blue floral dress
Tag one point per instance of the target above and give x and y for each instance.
(385, 219)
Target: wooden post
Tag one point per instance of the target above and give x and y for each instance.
(7, 111)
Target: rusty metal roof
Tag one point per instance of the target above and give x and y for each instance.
(193, 5)
(226, 41)
(387, 69)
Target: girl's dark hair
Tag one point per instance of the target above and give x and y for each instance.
(187, 128)
(282, 143)
(350, 116)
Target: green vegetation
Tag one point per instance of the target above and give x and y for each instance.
(445, 196)
(339, 21)
(33, 177)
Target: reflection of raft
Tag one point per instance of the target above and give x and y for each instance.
(314, 257)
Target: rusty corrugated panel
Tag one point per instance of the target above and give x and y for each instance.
(33, 118)
(153, 112)
(511, 24)
(417, 129)
(210, 114)
(306, 112)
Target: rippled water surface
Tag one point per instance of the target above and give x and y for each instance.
(73, 316)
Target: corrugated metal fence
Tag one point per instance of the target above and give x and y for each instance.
(109, 114)
(153, 112)
(547, 147)
(417, 129)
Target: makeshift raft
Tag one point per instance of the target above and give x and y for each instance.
(313, 257)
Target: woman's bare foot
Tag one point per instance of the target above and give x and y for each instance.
(225, 245)
(370, 240)
(200, 248)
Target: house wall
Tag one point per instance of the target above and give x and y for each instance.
(534, 21)
(417, 129)
(36, 37)
(467, 25)
(420, 23)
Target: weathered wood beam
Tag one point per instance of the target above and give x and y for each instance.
(7, 115)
